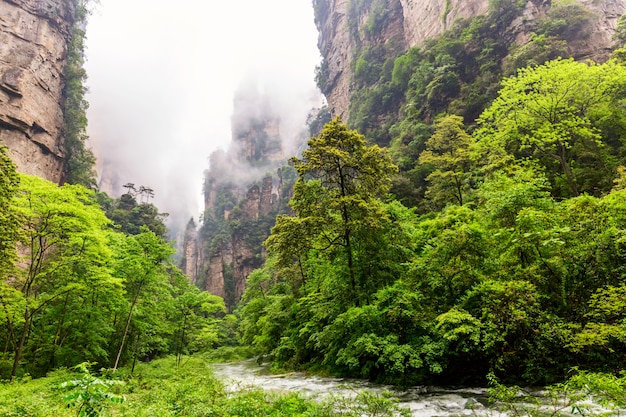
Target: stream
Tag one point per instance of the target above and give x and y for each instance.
(423, 401)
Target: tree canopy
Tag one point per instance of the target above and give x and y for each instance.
(335, 199)
(514, 269)
(82, 291)
(557, 114)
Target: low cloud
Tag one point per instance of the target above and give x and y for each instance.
(162, 80)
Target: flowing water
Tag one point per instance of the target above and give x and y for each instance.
(422, 401)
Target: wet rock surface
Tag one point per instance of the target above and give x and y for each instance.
(33, 45)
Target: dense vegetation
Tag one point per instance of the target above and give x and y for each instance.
(487, 243)
(80, 160)
(78, 287)
(166, 388)
(397, 95)
(516, 267)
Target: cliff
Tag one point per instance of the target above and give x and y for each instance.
(34, 35)
(192, 257)
(347, 27)
(243, 193)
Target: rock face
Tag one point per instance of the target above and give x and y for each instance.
(33, 44)
(423, 19)
(343, 30)
(242, 197)
(192, 258)
(222, 258)
(596, 45)
(340, 37)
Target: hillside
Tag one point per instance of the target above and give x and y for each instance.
(466, 224)
(358, 32)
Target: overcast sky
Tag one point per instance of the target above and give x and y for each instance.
(162, 76)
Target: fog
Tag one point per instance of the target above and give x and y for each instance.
(162, 77)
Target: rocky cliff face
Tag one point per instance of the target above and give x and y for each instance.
(597, 43)
(242, 197)
(345, 28)
(33, 44)
(423, 19)
(193, 256)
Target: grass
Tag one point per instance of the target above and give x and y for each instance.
(161, 388)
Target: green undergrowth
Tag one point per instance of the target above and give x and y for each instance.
(167, 387)
(230, 354)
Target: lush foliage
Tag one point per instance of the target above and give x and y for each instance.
(132, 211)
(9, 182)
(339, 178)
(396, 96)
(168, 388)
(80, 160)
(499, 254)
(584, 393)
(74, 289)
(517, 270)
(565, 116)
(90, 393)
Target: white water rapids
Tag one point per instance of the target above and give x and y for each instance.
(422, 401)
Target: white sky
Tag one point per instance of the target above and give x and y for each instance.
(161, 79)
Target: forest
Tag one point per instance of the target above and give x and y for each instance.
(516, 271)
(466, 222)
(78, 287)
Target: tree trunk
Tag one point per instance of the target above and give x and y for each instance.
(132, 370)
(11, 335)
(57, 336)
(179, 354)
(346, 235)
(351, 266)
(459, 189)
(567, 170)
(130, 316)
(20, 347)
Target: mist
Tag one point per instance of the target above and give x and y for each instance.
(262, 109)
(162, 80)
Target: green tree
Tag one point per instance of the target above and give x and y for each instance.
(91, 394)
(567, 19)
(130, 216)
(454, 255)
(142, 268)
(605, 330)
(553, 113)
(508, 312)
(448, 151)
(620, 32)
(80, 159)
(64, 249)
(195, 315)
(11, 300)
(335, 197)
(9, 182)
(539, 49)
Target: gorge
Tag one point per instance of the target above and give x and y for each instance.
(456, 216)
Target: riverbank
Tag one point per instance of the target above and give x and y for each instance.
(197, 387)
(165, 388)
